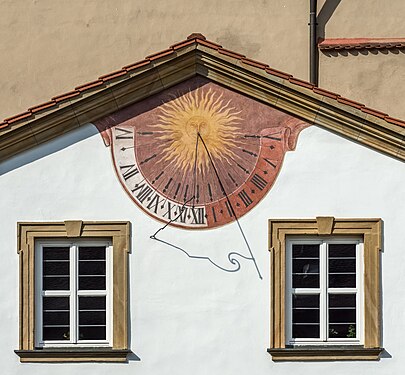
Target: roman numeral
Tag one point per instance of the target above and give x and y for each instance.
(144, 191)
(245, 198)
(154, 203)
(213, 214)
(258, 181)
(124, 133)
(229, 208)
(270, 163)
(129, 171)
(198, 215)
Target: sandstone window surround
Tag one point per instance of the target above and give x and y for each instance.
(281, 231)
(29, 236)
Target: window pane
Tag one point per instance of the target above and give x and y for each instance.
(92, 318)
(56, 253)
(92, 252)
(305, 316)
(305, 265)
(92, 268)
(92, 283)
(55, 318)
(342, 250)
(342, 265)
(342, 315)
(55, 268)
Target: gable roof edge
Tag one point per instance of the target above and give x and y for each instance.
(185, 60)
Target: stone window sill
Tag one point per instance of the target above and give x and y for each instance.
(73, 355)
(325, 353)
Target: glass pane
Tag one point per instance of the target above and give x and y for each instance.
(305, 316)
(91, 267)
(92, 333)
(342, 265)
(91, 252)
(305, 265)
(342, 250)
(92, 318)
(55, 253)
(55, 283)
(92, 303)
(342, 315)
(56, 333)
(347, 331)
(55, 318)
(305, 331)
(55, 268)
(92, 283)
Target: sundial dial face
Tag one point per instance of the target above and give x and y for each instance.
(198, 154)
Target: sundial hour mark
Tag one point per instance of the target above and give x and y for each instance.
(233, 180)
(210, 192)
(270, 163)
(243, 168)
(177, 190)
(168, 184)
(249, 152)
(185, 194)
(157, 177)
(145, 133)
(148, 159)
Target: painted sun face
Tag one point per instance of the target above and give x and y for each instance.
(196, 113)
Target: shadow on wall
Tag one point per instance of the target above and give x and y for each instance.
(48, 148)
(324, 16)
(365, 52)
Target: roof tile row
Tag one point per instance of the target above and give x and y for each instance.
(194, 39)
(361, 43)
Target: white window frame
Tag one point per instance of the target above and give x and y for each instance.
(323, 290)
(73, 293)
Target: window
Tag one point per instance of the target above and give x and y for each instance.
(73, 293)
(325, 300)
(324, 291)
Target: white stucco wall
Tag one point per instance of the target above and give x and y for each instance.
(188, 317)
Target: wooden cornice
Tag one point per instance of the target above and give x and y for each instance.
(316, 106)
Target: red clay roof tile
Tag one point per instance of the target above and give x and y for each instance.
(395, 121)
(349, 102)
(254, 63)
(18, 117)
(136, 65)
(182, 44)
(110, 76)
(302, 83)
(65, 96)
(230, 53)
(327, 93)
(160, 54)
(278, 73)
(198, 38)
(373, 112)
(209, 44)
(42, 106)
(89, 85)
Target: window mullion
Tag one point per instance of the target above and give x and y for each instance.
(323, 291)
(73, 294)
